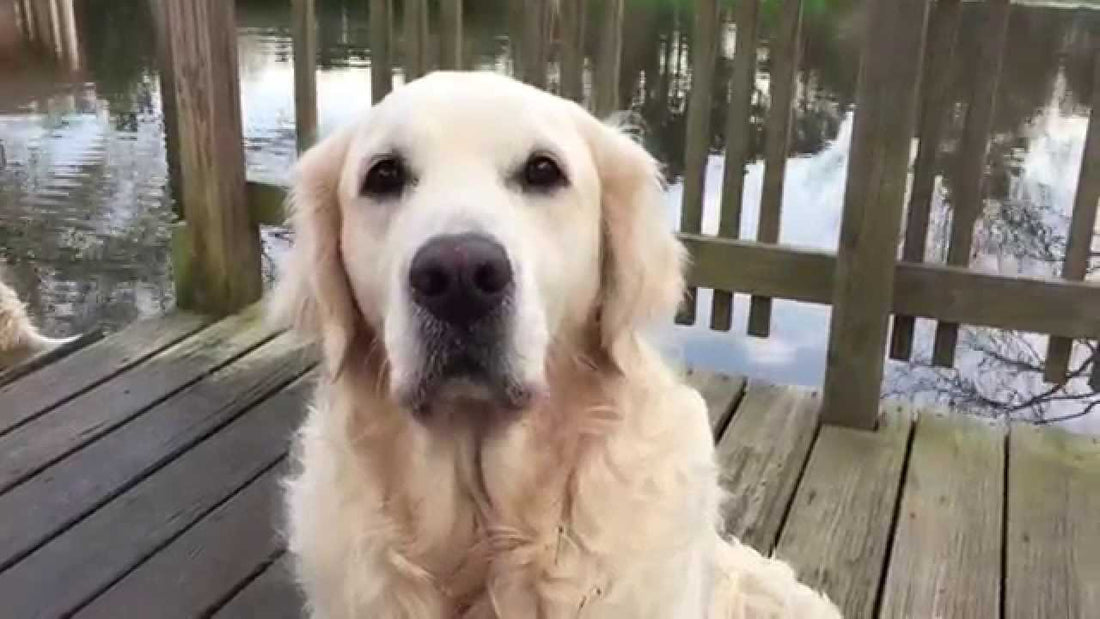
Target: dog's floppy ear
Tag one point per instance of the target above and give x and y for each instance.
(313, 294)
(643, 262)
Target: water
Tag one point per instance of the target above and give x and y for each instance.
(85, 211)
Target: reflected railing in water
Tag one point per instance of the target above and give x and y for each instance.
(655, 81)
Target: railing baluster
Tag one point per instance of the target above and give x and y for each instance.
(605, 98)
(863, 292)
(738, 137)
(969, 195)
(415, 25)
(1081, 227)
(304, 36)
(381, 49)
(704, 52)
(572, 48)
(450, 34)
(784, 53)
(534, 47)
(943, 30)
(166, 81)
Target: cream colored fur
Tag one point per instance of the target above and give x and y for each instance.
(19, 339)
(602, 499)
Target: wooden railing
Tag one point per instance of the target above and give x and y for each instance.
(908, 44)
(864, 282)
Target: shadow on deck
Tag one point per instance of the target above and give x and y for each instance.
(139, 477)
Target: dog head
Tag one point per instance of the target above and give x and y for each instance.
(466, 226)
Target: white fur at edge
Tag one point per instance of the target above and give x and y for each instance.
(600, 501)
(19, 339)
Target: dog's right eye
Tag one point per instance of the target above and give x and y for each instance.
(387, 177)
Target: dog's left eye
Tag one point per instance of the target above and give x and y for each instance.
(387, 177)
(541, 173)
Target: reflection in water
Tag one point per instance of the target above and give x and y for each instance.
(85, 212)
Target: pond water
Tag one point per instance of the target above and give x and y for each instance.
(86, 211)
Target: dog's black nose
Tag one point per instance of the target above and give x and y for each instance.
(460, 278)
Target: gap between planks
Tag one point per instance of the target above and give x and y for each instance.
(39, 392)
(48, 438)
(946, 556)
(840, 525)
(106, 545)
(48, 503)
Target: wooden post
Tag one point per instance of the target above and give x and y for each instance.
(738, 138)
(1081, 228)
(304, 34)
(381, 49)
(415, 20)
(886, 102)
(969, 195)
(224, 244)
(450, 34)
(784, 71)
(534, 47)
(572, 48)
(943, 30)
(704, 52)
(609, 60)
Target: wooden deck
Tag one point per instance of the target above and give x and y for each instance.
(139, 478)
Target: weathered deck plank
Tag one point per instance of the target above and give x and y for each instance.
(721, 392)
(102, 548)
(946, 557)
(201, 567)
(37, 392)
(36, 362)
(73, 487)
(761, 455)
(38, 443)
(271, 595)
(1053, 540)
(838, 533)
(171, 512)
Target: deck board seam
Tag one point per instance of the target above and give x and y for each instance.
(891, 536)
(138, 361)
(151, 470)
(199, 517)
(119, 423)
(266, 564)
(49, 357)
(735, 404)
(774, 542)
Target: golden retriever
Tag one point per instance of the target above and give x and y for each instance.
(493, 435)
